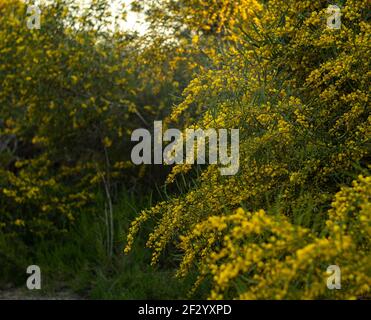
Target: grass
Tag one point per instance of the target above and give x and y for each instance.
(78, 262)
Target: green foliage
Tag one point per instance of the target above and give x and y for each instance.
(299, 93)
(71, 94)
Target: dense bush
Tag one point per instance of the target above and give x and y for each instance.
(71, 93)
(299, 93)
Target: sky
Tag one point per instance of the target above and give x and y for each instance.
(134, 20)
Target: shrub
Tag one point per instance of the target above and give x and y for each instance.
(71, 93)
(298, 92)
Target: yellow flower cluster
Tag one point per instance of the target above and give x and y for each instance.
(262, 256)
(299, 93)
(69, 105)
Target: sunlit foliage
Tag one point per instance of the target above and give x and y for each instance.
(299, 93)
